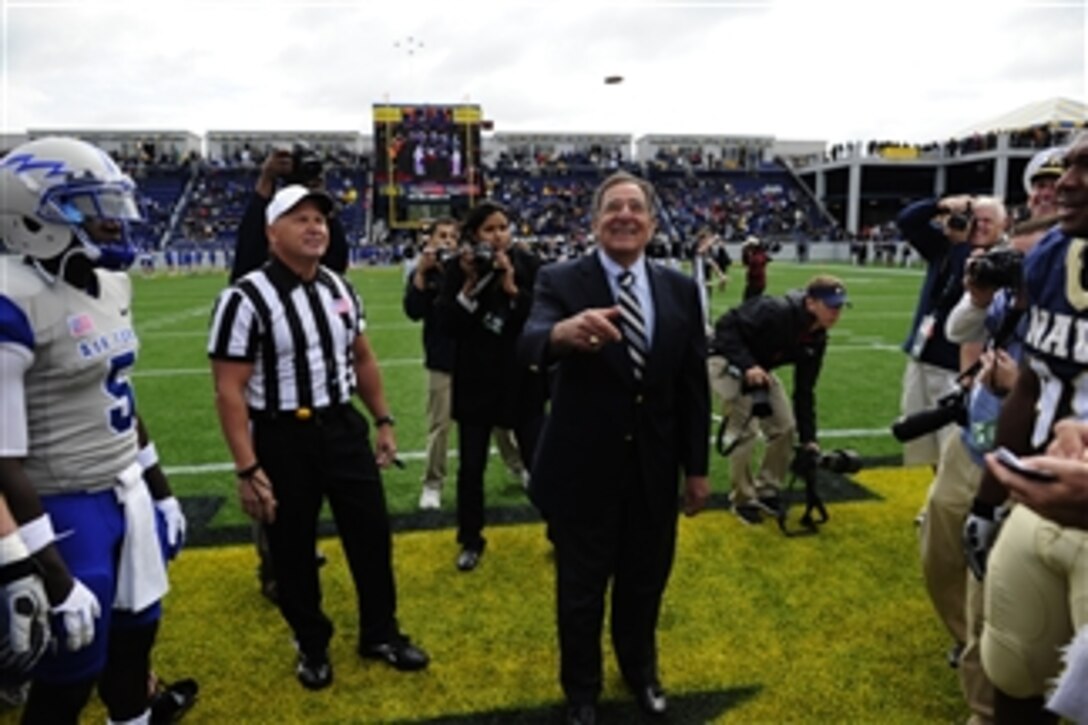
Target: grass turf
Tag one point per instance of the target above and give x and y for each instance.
(755, 628)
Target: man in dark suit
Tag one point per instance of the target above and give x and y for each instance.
(629, 411)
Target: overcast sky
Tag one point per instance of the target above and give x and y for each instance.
(912, 70)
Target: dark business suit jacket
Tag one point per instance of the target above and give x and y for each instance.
(598, 411)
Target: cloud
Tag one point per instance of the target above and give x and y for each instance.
(793, 69)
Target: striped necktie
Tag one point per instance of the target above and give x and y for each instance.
(632, 325)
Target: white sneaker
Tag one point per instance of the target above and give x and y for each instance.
(430, 498)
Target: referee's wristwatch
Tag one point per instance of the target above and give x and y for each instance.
(385, 420)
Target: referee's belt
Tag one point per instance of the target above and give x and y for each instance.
(317, 416)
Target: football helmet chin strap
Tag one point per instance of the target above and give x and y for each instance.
(115, 256)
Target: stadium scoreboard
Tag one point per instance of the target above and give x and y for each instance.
(427, 161)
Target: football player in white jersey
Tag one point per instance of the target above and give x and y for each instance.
(82, 480)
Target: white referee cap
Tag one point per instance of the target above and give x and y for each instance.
(291, 196)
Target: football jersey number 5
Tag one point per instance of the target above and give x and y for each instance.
(118, 386)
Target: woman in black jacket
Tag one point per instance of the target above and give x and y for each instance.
(485, 300)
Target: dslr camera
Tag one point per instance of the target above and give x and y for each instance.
(483, 257)
(306, 165)
(999, 267)
(840, 460)
(761, 402)
(950, 408)
(959, 221)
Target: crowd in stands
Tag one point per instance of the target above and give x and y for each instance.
(591, 157)
(194, 204)
(739, 207)
(1040, 136)
(671, 159)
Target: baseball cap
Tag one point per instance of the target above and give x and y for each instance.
(832, 294)
(291, 196)
(1045, 163)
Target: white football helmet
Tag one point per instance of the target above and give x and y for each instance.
(50, 186)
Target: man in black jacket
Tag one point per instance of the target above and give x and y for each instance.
(420, 298)
(944, 232)
(749, 342)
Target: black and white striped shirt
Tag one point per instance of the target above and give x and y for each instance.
(298, 334)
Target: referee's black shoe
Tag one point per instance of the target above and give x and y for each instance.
(314, 671)
(398, 652)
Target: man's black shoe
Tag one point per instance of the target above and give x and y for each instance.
(748, 513)
(581, 715)
(651, 698)
(469, 557)
(770, 505)
(398, 652)
(314, 671)
(171, 701)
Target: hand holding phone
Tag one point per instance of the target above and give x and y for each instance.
(1009, 460)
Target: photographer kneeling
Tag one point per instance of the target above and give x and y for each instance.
(749, 342)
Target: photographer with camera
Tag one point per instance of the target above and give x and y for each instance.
(299, 165)
(749, 341)
(420, 299)
(943, 232)
(486, 295)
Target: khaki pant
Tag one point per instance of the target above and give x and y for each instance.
(439, 387)
(741, 426)
(923, 386)
(1036, 598)
(956, 595)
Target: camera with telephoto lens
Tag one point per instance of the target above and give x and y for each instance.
(839, 460)
(960, 221)
(950, 408)
(306, 166)
(998, 267)
(761, 401)
(483, 257)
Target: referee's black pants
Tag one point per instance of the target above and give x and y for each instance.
(328, 456)
(630, 545)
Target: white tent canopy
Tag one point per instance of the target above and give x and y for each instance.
(1051, 112)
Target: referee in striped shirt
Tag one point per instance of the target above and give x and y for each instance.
(288, 350)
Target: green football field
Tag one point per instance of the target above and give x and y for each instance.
(756, 627)
(857, 396)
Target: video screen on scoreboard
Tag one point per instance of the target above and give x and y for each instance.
(427, 145)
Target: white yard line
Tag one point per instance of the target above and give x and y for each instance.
(202, 468)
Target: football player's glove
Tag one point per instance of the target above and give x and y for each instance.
(77, 614)
(174, 518)
(979, 533)
(24, 612)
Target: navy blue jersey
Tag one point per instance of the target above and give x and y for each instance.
(1055, 275)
